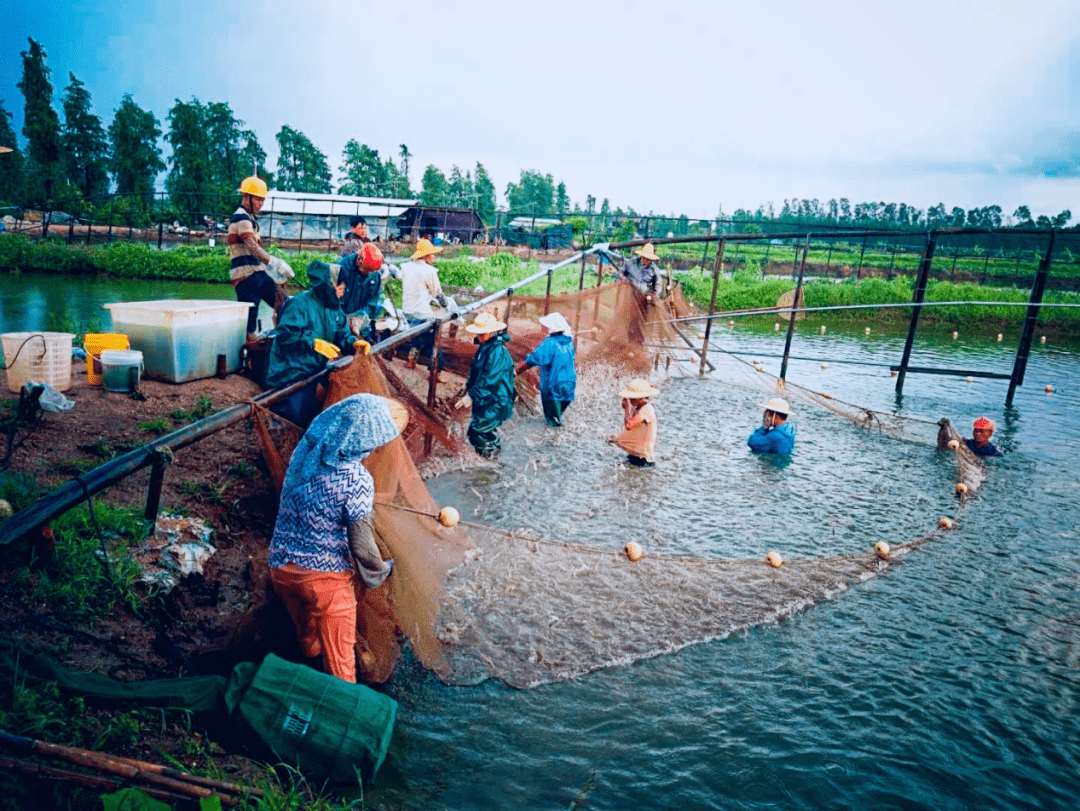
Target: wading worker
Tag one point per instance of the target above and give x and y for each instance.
(776, 434)
(363, 288)
(641, 273)
(981, 433)
(489, 391)
(247, 268)
(639, 421)
(357, 237)
(558, 377)
(323, 540)
(312, 331)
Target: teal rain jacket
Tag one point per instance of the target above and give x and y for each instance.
(491, 384)
(362, 290)
(315, 313)
(555, 357)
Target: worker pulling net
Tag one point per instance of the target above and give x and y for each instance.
(478, 602)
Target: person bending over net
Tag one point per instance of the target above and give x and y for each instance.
(323, 541)
(555, 357)
(489, 391)
(776, 434)
(639, 421)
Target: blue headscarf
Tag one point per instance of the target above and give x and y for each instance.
(345, 432)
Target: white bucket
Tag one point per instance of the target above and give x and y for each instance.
(44, 357)
(121, 369)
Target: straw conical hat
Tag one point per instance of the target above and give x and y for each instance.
(639, 389)
(484, 323)
(647, 251)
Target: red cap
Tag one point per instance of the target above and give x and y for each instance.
(370, 257)
(983, 423)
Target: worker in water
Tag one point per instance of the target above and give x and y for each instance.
(558, 377)
(363, 289)
(639, 421)
(323, 544)
(419, 287)
(981, 433)
(247, 268)
(357, 236)
(776, 434)
(312, 330)
(489, 391)
(641, 272)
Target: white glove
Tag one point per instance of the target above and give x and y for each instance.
(464, 402)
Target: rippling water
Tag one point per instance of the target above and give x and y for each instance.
(950, 682)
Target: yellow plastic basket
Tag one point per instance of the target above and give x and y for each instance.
(96, 343)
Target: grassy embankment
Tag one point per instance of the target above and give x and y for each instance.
(745, 289)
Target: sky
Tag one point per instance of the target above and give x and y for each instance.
(668, 106)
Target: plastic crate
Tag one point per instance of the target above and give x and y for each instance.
(95, 343)
(181, 339)
(44, 357)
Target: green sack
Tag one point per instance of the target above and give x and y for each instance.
(328, 728)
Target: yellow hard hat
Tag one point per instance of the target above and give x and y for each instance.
(253, 185)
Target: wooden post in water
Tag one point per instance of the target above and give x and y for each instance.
(577, 311)
(916, 311)
(1028, 334)
(433, 380)
(717, 264)
(794, 308)
(547, 295)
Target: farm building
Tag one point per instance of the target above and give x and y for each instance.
(439, 221)
(300, 215)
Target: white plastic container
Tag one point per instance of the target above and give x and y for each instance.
(180, 339)
(121, 369)
(44, 357)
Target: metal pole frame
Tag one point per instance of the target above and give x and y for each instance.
(917, 298)
(1023, 350)
(717, 264)
(794, 308)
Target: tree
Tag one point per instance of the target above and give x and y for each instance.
(1022, 215)
(41, 126)
(405, 155)
(225, 145)
(11, 163)
(562, 202)
(1062, 219)
(191, 173)
(301, 167)
(363, 172)
(253, 157)
(590, 205)
(459, 188)
(533, 194)
(135, 158)
(433, 187)
(86, 148)
(485, 194)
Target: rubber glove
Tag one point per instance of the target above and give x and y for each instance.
(464, 402)
(327, 349)
(362, 347)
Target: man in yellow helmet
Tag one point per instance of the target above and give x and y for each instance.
(247, 271)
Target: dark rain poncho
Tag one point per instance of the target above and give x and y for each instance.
(315, 313)
(361, 289)
(491, 388)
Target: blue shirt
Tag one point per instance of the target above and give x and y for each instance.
(989, 449)
(780, 439)
(555, 357)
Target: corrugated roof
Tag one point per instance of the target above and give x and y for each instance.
(288, 202)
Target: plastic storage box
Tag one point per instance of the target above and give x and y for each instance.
(44, 357)
(181, 339)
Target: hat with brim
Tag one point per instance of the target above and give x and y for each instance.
(647, 251)
(555, 322)
(484, 323)
(399, 413)
(778, 405)
(639, 389)
(424, 248)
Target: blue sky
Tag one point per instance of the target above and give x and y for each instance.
(670, 107)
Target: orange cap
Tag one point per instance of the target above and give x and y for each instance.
(983, 423)
(370, 257)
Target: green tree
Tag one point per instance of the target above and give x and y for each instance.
(1022, 215)
(226, 142)
(363, 172)
(459, 188)
(405, 155)
(86, 147)
(1062, 219)
(533, 195)
(301, 166)
(562, 201)
(253, 158)
(11, 163)
(191, 173)
(485, 194)
(41, 126)
(135, 157)
(433, 188)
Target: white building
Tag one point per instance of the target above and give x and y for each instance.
(315, 217)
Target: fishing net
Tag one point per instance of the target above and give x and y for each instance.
(478, 602)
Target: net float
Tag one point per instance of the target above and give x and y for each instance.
(824, 366)
(1000, 337)
(961, 488)
(5, 508)
(969, 379)
(1042, 339)
(954, 444)
(776, 327)
(892, 373)
(955, 335)
(867, 330)
(634, 551)
(947, 523)
(774, 559)
(731, 323)
(881, 549)
(822, 329)
(449, 517)
(1049, 388)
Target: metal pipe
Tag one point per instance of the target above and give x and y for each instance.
(794, 307)
(1028, 334)
(917, 298)
(717, 264)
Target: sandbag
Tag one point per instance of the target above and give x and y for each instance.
(327, 728)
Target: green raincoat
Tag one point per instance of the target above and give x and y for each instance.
(315, 313)
(491, 387)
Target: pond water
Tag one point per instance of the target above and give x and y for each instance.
(951, 681)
